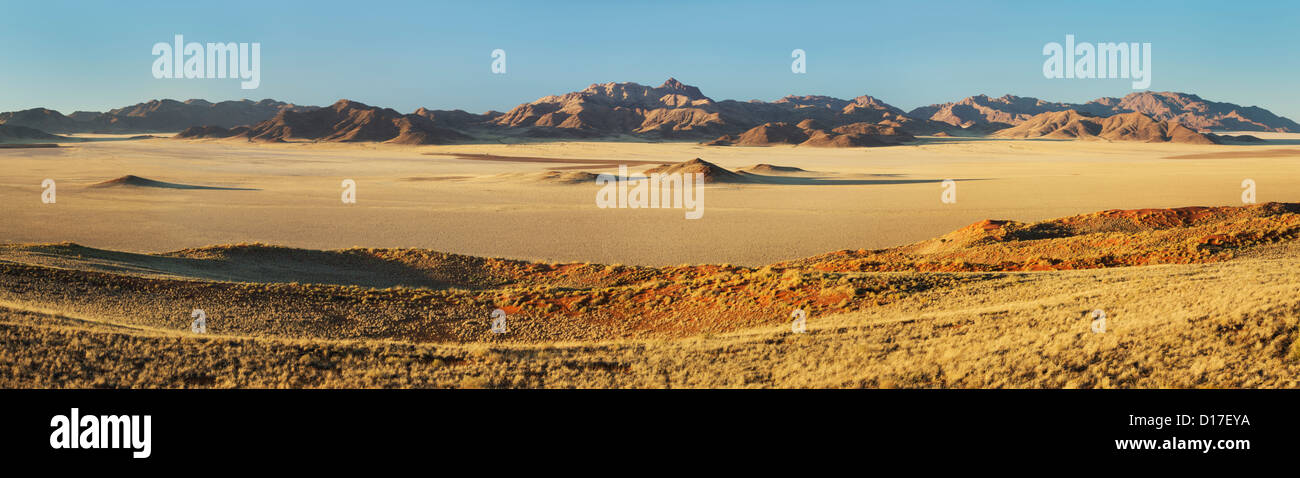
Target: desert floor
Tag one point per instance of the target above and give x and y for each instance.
(1193, 297)
(869, 198)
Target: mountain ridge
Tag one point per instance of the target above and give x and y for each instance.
(1134, 126)
(1188, 109)
(672, 110)
(344, 121)
(153, 116)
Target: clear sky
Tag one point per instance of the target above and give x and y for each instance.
(93, 55)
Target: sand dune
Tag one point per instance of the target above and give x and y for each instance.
(766, 174)
(711, 173)
(436, 178)
(762, 174)
(773, 170)
(132, 181)
(566, 177)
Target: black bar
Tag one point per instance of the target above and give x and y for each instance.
(395, 426)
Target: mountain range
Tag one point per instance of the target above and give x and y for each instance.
(810, 132)
(150, 117)
(344, 121)
(1190, 110)
(674, 110)
(1071, 124)
(677, 110)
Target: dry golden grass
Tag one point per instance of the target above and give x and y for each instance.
(1226, 315)
(1021, 330)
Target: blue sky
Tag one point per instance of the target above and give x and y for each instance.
(96, 55)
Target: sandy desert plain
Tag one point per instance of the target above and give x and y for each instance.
(901, 289)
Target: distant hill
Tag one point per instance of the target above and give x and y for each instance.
(457, 118)
(677, 110)
(712, 173)
(812, 133)
(152, 116)
(42, 119)
(672, 109)
(169, 115)
(344, 121)
(766, 134)
(1196, 113)
(1071, 124)
(984, 112)
(1187, 109)
(24, 134)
